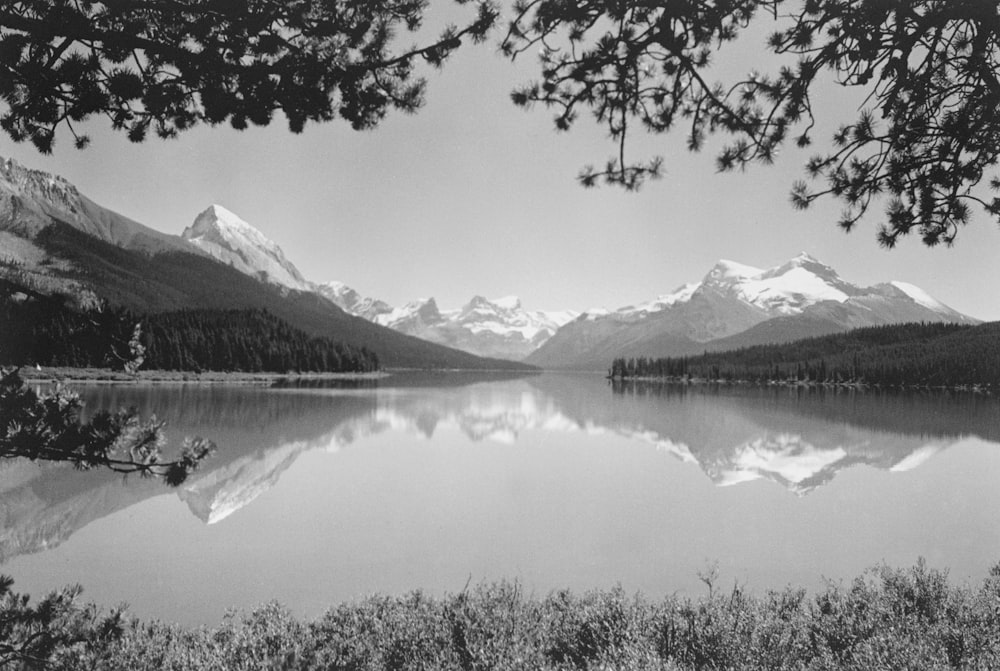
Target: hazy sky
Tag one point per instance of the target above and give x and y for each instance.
(474, 196)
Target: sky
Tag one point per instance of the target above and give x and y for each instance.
(474, 196)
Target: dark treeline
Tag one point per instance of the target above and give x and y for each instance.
(42, 330)
(244, 340)
(899, 355)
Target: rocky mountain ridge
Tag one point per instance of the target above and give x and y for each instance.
(498, 328)
(736, 305)
(55, 241)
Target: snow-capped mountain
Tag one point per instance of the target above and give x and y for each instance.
(501, 327)
(351, 301)
(56, 241)
(495, 328)
(231, 240)
(737, 305)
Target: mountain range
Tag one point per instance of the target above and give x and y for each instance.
(499, 327)
(490, 328)
(62, 242)
(54, 240)
(734, 306)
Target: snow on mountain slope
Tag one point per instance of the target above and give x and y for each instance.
(783, 290)
(231, 240)
(732, 298)
(496, 328)
(353, 302)
(922, 297)
(680, 295)
(500, 327)
(800, 295)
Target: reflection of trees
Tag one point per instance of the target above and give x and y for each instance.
(798, 438)
(937, 414)
(260, 432)
(46, 426)
(41, 507)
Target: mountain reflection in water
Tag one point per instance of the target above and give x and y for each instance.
(799, 438)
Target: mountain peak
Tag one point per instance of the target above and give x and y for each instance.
(230, 239)
(726, 269)
(477, 301)
(507, 302)
(51, 190)
(808, 263)
(217, 218)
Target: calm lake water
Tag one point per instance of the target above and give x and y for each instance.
(319, 495)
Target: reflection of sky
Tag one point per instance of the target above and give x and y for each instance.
(551, 480)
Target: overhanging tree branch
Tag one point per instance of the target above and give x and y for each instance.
(167, 65)
(929, 67)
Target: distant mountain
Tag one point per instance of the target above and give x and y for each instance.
(499, 328)
(496, 328)
(351, 301)
(736, 305)
(57, 241)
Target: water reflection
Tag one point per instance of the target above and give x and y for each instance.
(798, 438)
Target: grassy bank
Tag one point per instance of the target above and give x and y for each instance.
(885, 619)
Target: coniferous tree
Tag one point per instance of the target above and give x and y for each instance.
(901, 355)
(922, 144)
(167, 66)
(48, 427)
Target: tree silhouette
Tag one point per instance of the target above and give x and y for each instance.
(921, 145)
(166, 65)
(48, 427)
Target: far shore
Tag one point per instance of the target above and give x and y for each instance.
(109, 376)
(859, 386)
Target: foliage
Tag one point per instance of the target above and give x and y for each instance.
(42, 330)
(899, 355)
(887, 618)
(244, 340)
(926, 135)
(166, 65)
(48, 427)
(35, 636)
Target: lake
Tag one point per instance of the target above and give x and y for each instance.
(324, 493)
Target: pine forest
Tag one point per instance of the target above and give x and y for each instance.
(902, 355)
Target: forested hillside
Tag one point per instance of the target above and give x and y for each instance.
(42, 330)
(920, 354)
(174, 280)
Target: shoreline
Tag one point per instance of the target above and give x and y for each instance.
(53, 374)
(69, 375)
(856, 386)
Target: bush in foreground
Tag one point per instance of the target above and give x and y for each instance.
(885, 619)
